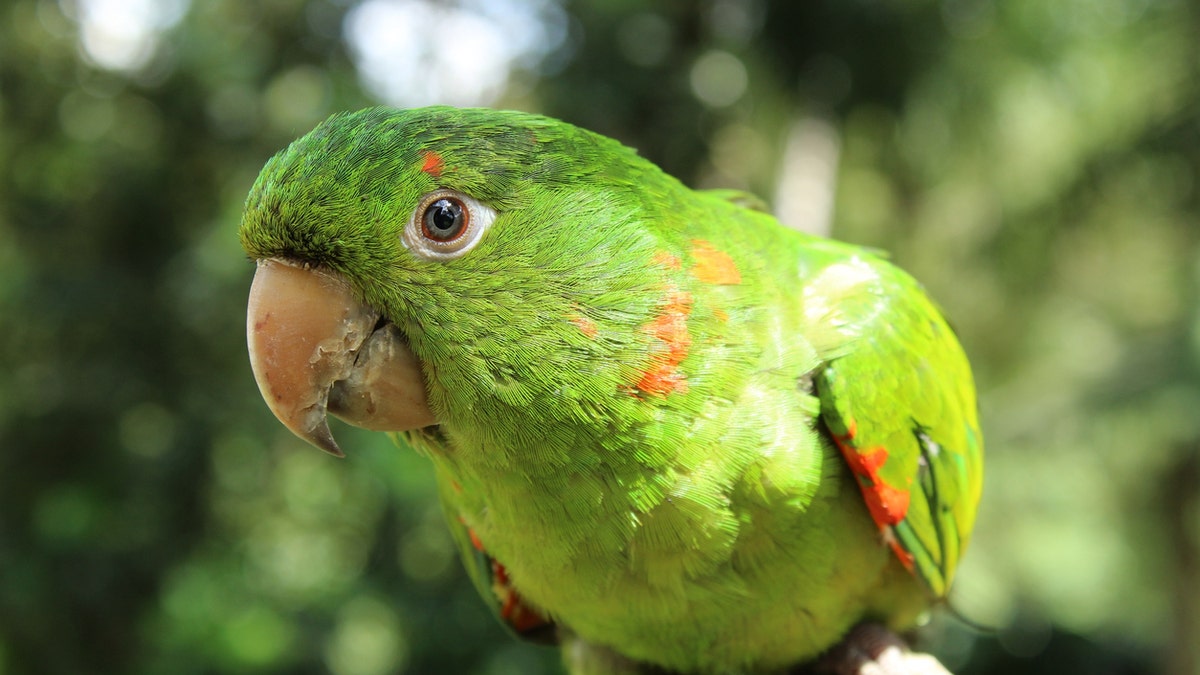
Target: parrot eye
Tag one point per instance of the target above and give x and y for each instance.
(446, 224)
(445, 220)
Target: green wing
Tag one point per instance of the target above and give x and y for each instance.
(898, 400)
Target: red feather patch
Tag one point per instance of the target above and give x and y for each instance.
(887, 504)
(519, 616)
(433, 164)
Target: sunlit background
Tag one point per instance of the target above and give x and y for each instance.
(1034, 163)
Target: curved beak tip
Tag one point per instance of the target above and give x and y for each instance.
(308, 335)
(303, 327)
(324, 440)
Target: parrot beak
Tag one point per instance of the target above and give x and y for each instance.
(314, 347)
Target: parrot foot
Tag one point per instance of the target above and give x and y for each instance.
(871, 649)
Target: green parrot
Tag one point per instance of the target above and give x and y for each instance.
(668, 432)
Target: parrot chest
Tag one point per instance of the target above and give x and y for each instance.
(730, 573)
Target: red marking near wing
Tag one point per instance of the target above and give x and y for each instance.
(475, 541)
(433, 163)
(713, 266)
(888, 505)
(663, 376)
(905, 557)
(513, 611)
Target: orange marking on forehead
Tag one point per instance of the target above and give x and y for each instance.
(713, 266)
(665, 259)
(433, 164)
(662, 377)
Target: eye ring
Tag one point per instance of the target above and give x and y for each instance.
(446, 224)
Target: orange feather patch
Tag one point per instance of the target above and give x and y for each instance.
(585, 325)
(713, 266)
(665, 259)
(663, 376)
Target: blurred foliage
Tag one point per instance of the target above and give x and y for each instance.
(1034, 163)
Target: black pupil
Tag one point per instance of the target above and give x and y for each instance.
(444, 219)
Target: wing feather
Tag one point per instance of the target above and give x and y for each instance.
(898, 400)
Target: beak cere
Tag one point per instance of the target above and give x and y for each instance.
(308, 336)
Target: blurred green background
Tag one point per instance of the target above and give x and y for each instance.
(1035, 163)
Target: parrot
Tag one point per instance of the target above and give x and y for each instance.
(669, 433)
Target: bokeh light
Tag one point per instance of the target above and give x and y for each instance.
(123, 34)
(418, 52)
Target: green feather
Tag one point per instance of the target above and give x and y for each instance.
(640, 386)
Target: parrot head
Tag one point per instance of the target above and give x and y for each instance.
(418, 267)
